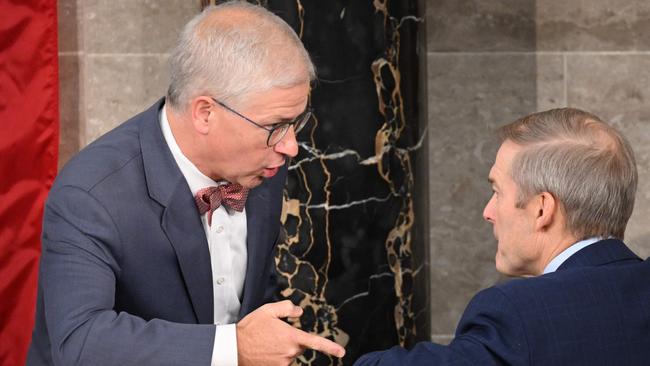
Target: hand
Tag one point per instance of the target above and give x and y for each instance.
(264, 339)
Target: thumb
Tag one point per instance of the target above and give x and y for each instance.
(283, 309)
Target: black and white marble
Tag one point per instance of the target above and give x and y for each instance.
(354, 212)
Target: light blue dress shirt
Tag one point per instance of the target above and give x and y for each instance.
(554, 264)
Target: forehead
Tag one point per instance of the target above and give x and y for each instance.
(278, 97)
(503, 161)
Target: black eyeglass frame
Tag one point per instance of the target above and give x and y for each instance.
(298, 123)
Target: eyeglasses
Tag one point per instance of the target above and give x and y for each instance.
(278, 130)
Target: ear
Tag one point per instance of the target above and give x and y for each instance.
(546, 208)
(200, 111)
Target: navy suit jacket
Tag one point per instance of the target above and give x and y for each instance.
(594, 310)
(125, 276)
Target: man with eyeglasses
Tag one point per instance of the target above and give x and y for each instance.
(158, 238)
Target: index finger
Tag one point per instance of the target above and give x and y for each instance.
(320, 344)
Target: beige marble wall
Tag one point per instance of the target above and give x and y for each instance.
(490, 62)
(113, 62)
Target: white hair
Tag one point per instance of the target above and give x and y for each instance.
(583, 162)
(233, 49)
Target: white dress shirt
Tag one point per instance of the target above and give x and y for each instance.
(228, 254)
(554, 264)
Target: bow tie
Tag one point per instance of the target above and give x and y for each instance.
(230, 195)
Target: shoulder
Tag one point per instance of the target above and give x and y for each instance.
(106, 156)
(570, 282)
(593, 291)
(535, 294)
(518, 300)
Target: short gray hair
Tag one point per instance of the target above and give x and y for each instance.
(583, 162)
(233, 49)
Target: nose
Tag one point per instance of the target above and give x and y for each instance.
(288, 145)
(488, 211)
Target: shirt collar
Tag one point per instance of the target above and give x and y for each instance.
(568, 252)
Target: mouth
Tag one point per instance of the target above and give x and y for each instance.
(270, 172)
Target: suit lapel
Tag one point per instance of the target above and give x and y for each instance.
(257, 231)
(182, 224)
(600, 253)
(180, 221)
(263, 209)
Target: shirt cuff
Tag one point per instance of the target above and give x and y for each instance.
(224, 352)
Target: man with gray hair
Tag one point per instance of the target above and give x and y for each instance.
(158, 238)
(563, 190)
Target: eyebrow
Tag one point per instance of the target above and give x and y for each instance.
(280, 120)
(286, 120)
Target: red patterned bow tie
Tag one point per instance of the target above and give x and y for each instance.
(210, 198)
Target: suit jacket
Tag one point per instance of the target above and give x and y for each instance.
(594, 310)
(125, 276)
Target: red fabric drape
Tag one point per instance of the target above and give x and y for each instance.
(29, 124)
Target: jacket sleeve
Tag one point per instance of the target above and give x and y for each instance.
(79, 267)
(490, 332)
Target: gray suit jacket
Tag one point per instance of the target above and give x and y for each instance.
(125, 276)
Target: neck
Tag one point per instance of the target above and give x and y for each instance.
(556, 246)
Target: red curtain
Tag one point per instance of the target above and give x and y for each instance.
(29, 124)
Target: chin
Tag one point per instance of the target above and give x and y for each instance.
(251, 182)
(499, 268)
(511, 270)
(502, 266)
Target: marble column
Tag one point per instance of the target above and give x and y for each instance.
(355, 206)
